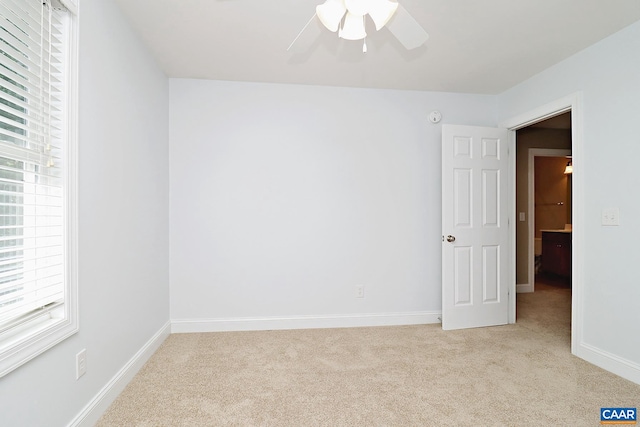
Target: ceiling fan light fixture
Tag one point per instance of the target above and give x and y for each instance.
(353, 27)
(330, 13)
(381, 11)
(358, 7)
(347, 17)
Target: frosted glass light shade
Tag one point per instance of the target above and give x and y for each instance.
(353, 28)
(358, 7)
(381, 11)
(330, 13)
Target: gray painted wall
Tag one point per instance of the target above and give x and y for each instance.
(284, 198)
(123, 226)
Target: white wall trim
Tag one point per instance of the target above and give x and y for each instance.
(101, 401)
(523, 288)
(610, 362)
(303, 322)
(511, 201)
(543, 112)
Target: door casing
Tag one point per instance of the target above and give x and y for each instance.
(573, 103)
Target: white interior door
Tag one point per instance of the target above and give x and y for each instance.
(475, 242)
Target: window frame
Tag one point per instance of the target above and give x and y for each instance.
(24, 340)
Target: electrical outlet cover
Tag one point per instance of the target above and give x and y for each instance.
(81, 363)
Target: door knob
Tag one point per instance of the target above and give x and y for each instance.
(451, 238)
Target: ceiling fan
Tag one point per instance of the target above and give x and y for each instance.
(347, 18)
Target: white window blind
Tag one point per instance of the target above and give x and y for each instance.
(33, 159)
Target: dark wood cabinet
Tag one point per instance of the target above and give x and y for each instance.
(556, 252)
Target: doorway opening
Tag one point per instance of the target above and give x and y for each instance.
(571, 103)
(544, 210)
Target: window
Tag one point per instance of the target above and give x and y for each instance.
(38, 304)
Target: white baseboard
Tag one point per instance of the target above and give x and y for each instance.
(524, 288)
(303, 322)
(610, 362)
(96, 407)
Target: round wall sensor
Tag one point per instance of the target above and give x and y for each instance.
(435, 116)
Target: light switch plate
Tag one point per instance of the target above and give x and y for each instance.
(521, 217)
(611, 216)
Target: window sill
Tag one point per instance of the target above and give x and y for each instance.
(33, 338)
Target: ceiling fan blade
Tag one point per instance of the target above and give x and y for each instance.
(406, 29)
(306, 36)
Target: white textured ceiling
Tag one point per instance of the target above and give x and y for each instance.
(475, 46)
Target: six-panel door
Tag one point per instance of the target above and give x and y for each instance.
(474, 213)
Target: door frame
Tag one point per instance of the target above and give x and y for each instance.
(573, 103)
(532, 153)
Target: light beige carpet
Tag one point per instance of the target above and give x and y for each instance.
(515, 375)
